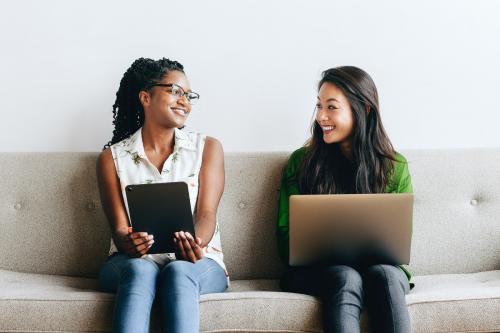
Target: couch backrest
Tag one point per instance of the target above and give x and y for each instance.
(51, 219)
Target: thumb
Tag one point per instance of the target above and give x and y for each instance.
(129, 229)
(198, 240)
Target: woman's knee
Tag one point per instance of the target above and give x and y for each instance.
(176, 272)
(385, 275)
(121, 269)
(343, 278)
(139, 269)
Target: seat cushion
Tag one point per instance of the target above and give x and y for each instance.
(438, 303)
(456, 302)
(37, 302)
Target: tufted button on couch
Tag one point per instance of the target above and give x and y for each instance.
(54, 237)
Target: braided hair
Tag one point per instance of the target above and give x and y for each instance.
(128, 113)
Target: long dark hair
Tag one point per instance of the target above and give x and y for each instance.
(128, 113)
(325, 170)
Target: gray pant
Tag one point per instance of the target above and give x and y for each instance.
(344, 290)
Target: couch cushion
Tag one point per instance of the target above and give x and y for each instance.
(456, 302)
(37, 302)
(438, 303)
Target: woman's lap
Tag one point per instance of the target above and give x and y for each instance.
(314, 280)
(206, 272)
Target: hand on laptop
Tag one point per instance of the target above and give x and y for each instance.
(188, 248)
(136, 244)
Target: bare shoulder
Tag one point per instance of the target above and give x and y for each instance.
(213, 147)
(105, 157)
(105, 162)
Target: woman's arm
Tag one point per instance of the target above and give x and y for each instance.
(289, 186)
(211, 187)
(134, 244)
(282, 230)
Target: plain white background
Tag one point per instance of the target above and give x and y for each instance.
(255, 64)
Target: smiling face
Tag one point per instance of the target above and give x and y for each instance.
(162, 107)
(334, 115)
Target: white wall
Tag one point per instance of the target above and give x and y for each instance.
(255, 64)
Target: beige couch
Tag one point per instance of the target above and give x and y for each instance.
(54, 237)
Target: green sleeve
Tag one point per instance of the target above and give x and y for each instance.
(404, 184)
(400, 181)
(289, 186)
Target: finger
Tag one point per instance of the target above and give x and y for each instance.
(180, 234)
(194, 243)
(198, 252)
(142, 240)
(186, 242)
(189, 250)
(138, 234)
(181, 250)
(197, 249)
(144, 246)
(177, 237)
(130, 237)
(127, 244)
(145, 251)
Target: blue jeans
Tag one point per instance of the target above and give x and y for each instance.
(344, 290)
(177, 286)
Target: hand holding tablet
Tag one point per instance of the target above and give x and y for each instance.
(188, 248)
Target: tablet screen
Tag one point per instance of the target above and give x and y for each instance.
(160, 209)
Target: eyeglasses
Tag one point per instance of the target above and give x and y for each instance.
(178, 92)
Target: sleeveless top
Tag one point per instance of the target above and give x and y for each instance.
(183, 164)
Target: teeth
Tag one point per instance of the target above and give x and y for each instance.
(327, 128)
(180, 111)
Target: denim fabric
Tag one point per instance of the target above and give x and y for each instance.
(345, 290)
(177, 286)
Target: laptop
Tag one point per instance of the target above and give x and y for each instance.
(350, 229)
(160, 209)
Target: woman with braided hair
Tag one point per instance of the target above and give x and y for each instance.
(149, 145)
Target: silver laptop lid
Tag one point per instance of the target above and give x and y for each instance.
(350, 228)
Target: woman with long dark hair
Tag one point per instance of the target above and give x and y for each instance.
(149, 145)
(348, 152)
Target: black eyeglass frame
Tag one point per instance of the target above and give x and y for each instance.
(184, 93)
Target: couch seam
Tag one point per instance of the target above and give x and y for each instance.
(454, 300)
(256, 298)
(55, 300)
(229, 299)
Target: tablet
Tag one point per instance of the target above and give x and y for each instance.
(160, 209)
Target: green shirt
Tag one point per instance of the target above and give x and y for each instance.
(400, 182)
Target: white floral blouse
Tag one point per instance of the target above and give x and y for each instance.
(133, 167)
